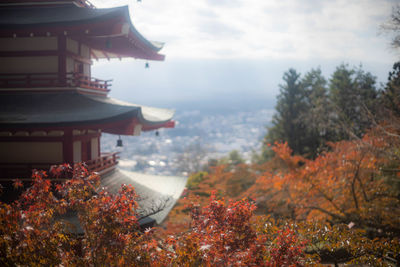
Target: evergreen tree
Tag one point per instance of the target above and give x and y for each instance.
(317, 113)
(353, 94)
(390, 96)
(287, 122)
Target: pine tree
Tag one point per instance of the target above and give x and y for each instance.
(390, 96)
(353, 95)
(317, 113)
(287, 122)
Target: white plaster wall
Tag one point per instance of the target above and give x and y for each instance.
(94, 147)
(85, 51)
(28, 64)
(70, 64)
(86, 70)
(72, 46)
(77, 151)
(28, 44)
(31, 152)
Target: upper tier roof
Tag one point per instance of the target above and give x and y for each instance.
(109, 30)
(70, 109)
(82, 3)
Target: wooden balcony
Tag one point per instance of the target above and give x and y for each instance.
(23, 171)
(52, 80)
(103, 164)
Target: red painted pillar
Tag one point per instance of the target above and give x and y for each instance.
(62, 60)
(98, 144)
(68, 147)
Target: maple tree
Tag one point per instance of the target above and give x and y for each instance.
(345, 201)
(76, 223)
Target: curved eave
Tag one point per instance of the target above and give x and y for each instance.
(26, 111)
(96, 27)
(127, 43)
(154, 190)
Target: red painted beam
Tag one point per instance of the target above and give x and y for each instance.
(68, 149)
(62, 59)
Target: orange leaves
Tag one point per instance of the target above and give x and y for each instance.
(354, 183)
(350, 183)
(224, 235)
(283, 152)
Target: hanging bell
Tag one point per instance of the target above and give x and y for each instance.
(119, 142)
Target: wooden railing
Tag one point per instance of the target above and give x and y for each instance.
(23, 171)
(89, 82)
(44, 80)
(104, 162)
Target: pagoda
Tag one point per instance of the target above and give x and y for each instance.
(52, 111)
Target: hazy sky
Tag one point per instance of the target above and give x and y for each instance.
(240, 48)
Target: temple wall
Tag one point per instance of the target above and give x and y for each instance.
(94, 142)
(85, 51)
(70, 65)
(86, 70)
(31, 152)
(28, 64)
(28, 44)
(77, 151)
(72, 46)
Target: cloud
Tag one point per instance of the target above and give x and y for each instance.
(273, 29)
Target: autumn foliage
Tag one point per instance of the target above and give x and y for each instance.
(75, 223)
(345, 202)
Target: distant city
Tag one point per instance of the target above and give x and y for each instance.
(197, 138)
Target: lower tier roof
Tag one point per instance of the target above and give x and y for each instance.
(71, 109)
(157, 193)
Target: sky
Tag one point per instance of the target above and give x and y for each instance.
(234, 52)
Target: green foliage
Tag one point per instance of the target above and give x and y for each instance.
(287, 123)
(392, 27)
(195, 179)
(390, 95)
(353, 94)
(233, 159)
(317, 114)
(310, 112)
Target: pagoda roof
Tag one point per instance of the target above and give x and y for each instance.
(155, 191)
(23, 110)
(158, 195)
(108, 30)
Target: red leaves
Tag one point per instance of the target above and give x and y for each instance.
(287, 250)
(224, 235)
(17, 184)
(33, 233)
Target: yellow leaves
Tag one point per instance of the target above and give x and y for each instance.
(63, 237)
